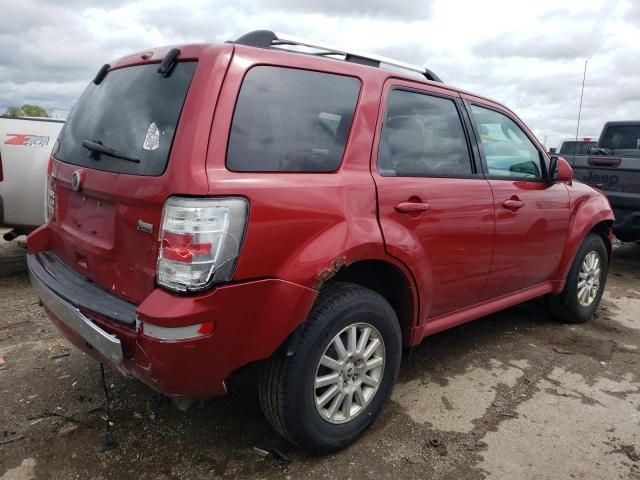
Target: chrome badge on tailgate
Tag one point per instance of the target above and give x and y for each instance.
(27, 140)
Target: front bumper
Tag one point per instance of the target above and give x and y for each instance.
(251, 320)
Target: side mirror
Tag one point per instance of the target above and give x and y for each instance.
(560, 171)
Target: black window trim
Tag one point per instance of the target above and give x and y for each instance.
(290, 172)
(485, 168)
(476, 172)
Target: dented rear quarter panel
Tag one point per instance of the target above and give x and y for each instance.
(303, 227)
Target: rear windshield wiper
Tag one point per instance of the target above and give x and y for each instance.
(99, 148)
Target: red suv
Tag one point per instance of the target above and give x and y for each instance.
(316, 210)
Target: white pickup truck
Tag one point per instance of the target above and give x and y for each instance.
(25, 147)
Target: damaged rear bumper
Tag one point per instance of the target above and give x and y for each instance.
(107, 345)
(251, 320)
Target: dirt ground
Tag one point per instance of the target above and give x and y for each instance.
(511, 396)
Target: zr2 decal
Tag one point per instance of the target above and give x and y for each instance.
(27, 140)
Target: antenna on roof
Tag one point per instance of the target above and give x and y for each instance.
(269, 39)
(584, 76)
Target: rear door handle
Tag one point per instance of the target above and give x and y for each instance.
(412, 207)
(513, 204)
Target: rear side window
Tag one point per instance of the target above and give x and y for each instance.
(422, 136)
(133, 111)
(289, 120)
(621, 137)
(507, 149)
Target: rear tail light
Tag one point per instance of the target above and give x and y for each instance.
(51, 193)
(200, 240)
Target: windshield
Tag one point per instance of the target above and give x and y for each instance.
(132, 114)
(621, 137)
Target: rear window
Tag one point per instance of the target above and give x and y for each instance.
(621, 137)
(579, 148)
(133, 111)
(289, 120)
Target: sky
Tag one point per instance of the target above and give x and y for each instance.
(529, 55)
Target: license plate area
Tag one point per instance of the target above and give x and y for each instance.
(87, 216)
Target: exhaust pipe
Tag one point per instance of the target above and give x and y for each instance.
(12, 234)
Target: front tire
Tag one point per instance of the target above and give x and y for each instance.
(325, 395)
(585, 283)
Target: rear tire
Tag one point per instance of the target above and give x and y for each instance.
(585, 283)
(305, 396)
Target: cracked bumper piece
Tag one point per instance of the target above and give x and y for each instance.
(106, 344)
(250, 321)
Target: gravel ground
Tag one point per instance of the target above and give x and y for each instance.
(514, 395)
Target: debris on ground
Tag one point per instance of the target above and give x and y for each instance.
(67, 429)
(62, 354)
(8, 437)
(438, 445)
(561, 351)
(435, 442)
(59, 415)
(261, 452)
(272, 453)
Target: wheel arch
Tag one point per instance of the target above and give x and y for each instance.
(604, 230)
(392, 283)
(385, 277)
(599, 223)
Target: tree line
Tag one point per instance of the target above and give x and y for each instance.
(26, 110)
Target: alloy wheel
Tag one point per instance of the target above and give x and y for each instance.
(349, 373)
(589, 278)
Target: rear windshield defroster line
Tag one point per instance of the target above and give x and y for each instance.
(134, 112)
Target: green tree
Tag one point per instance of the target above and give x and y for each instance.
(27, 110)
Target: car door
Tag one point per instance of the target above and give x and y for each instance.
(435, 207)
(532, 214)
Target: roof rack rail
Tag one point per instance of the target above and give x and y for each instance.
(268, 39)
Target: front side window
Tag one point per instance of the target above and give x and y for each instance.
(507, 149)
(289, 120)
(422, 136)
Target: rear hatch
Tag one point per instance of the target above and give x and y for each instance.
(134, 138)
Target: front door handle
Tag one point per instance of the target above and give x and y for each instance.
(513, 204)
(412, 207)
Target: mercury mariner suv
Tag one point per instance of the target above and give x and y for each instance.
(305, 209)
